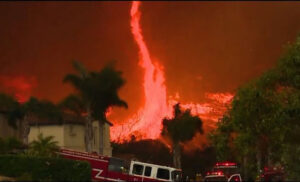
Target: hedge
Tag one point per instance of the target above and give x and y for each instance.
(44, 168)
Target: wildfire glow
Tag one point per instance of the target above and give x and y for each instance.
(155, 107)
(147, 123)
(19, 86)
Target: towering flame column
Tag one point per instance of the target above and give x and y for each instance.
(155, 108)
(147, 123)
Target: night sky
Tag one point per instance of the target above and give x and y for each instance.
(203, 46)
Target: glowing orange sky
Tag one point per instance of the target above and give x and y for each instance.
(204, 47)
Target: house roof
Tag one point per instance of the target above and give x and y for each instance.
(66, 119)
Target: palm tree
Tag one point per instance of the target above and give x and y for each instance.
(96, 92)
(106, 96)
(73, 104)
(179, 129)
(33, 108)
(43, 146)
(25, 111)
(18, 115)
(81, 82)
(13, 112)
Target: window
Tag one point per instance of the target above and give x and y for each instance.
(176, 175)
(148, 171)
(116, 165)
(137, 169)
(163, 173)
(71, 131)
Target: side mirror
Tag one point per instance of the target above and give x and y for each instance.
(177, 177)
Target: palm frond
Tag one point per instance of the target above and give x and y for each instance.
(43, 146)
(75, 80)
(73, 103)
(80, 68)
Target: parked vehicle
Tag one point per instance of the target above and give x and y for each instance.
(272, 174)
(114, 169)
(220, 176)
(224, 171)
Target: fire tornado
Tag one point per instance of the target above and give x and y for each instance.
(155, 108)
(147, 123)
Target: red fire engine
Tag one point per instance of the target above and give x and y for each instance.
(114, 169)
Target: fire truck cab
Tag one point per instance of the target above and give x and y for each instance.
(152, 172)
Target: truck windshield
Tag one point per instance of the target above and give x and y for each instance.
(176, 175)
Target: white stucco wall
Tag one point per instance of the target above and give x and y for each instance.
(107, 145)
(47, 130)
(74, 137)
(71, 136)
(96, 137)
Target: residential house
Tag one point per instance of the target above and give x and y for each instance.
(69, 133)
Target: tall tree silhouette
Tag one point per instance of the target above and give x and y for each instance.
(181, 128)
(97, 92)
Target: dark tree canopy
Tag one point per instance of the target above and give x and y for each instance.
(183, 126)
(7, 102)
(97, 89)
(10, 108)
(262, 126)
(73, 104)
(43, 109)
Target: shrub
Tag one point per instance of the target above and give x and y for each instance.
(44, 168)
(11, 145)
(43, 146)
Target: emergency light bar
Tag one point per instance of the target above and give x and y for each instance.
(217, 173)
(218, 164)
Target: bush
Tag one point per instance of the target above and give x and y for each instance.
(44, 168)
(43, 146)
(11, 145)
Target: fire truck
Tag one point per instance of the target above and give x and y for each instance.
(114, 169)
(224, 171)
(272, 174)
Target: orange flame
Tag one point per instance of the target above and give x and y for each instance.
(155, 107)
(147, 123)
